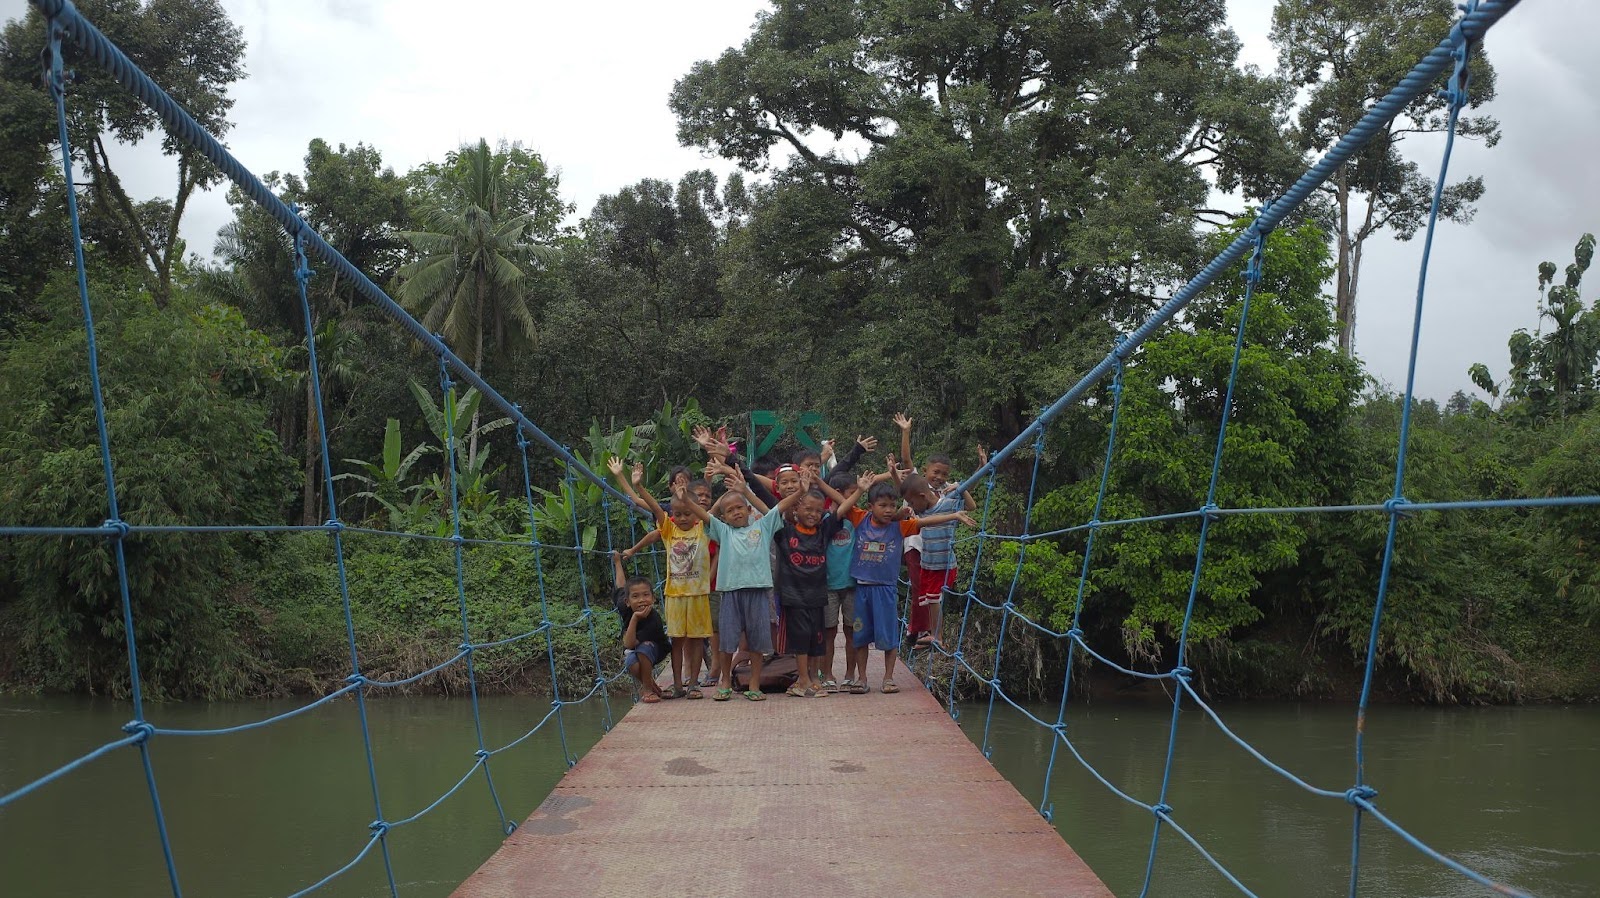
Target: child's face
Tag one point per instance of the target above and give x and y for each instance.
(813, 463)
(809, 512)
(884, 509)
(921, 500)
(735, 512)
(702, 495)
(938, 474)
(640, 597)
(684, 519)
(787, 481)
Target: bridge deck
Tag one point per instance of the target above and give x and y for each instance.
(849, 794)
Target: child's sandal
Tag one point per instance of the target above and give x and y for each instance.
(696, 693)
(889, 688)
(650, 698)
(859, 688)
(722, 695)
(797, 692)
(755, 696)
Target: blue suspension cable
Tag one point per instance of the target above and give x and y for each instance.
(583, 586)
(447, 394)
(1009, 608)
(380, 830)
(55, 77)
(957, 657)
(1252, 277)
(544, 602)
(1074, 634)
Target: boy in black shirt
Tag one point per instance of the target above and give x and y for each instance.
(803, 575)
(644, 632)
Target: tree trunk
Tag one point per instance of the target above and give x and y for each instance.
(1344, 296)
(308, 504)
(472, 433)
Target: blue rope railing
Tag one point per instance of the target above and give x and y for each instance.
(65, 23)
(1452, 54)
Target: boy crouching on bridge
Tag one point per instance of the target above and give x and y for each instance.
(644, 633)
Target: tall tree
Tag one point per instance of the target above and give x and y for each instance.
(481, 215)
(195, 52)
(1346, 55)
(357, 205)
(994, 181)
(1554, 372)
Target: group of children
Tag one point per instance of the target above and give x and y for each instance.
(780, 560)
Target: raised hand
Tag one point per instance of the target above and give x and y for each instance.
(614, 464)
(702, 435)
(901, 421)
(807, 480)
(965, 518)
(626, 553)
(866, 480)
(827, 451)
(983, 455)
(867, 444)
(638, 473)
(680, 491)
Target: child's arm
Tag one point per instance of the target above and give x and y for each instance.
(680, 496)
(614, 464)
(934, 520)
(983, 459)
(862, 446)
(650, 538)
(735, 481)
(844, 500)
(630, 636)
(904, 423)
(619, 576)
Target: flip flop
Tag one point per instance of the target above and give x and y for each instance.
(859, 688)
(797, 692)
(696, 693)
(650, 698)
(755, 696)
(722, 695)
(889, 688)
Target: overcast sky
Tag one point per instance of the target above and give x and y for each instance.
(586, 85)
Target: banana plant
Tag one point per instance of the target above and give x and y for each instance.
(385, 479)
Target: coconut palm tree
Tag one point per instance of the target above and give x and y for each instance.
(475, 251)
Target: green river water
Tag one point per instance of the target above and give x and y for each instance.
(1510, 791)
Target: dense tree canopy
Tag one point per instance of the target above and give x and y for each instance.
(947, 209)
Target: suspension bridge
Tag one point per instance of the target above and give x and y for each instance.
(586, 837)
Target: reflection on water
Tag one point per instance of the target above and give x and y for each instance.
(1510, 791)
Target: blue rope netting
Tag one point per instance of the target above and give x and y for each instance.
(1451, 54)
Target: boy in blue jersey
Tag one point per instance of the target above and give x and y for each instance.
(875, 568)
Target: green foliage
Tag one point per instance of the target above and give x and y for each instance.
(191, 447)
(1554, 374)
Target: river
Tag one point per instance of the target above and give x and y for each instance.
(1510, 791)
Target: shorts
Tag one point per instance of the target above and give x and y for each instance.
(689, 616)
(931, 585)
(715, 600)
(841, 602)
(652, 650)
(803, 627)
(746, 613)
(877, 616)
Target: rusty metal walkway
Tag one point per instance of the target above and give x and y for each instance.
(844, 795)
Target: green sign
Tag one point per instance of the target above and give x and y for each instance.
(767, 427)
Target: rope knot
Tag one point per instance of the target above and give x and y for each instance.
(356, 678)
(1182, 673)
(1008, 606)
(380, 828)
(1357, 794)
(1060, 728)
(467, 647)
(333, 525)
(303, 272)
(1397, 506)
(1048, 812)
(1094, 523)
(118, 529)
(1162, 810)
(1209, 512)
(1075, 634)
(481, 755)
(457, 540)
(140, 729)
